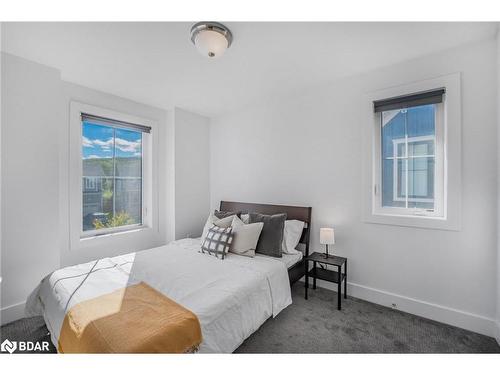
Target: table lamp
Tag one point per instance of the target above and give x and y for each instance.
(326, 237)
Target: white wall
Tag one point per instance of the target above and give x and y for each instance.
(192, 190)
(170, 175)
(188, 168)
(31, 118)
(1, 27)
(188, 190)
(305, 149)
(498, 190)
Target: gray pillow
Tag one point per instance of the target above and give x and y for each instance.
(217, 242)
(271, 236)
(223, 214)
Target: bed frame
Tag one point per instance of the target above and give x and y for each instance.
(293, 213)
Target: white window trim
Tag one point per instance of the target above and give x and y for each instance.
(450, 217)
(150, 224)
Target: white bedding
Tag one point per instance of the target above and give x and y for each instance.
(288, 259)
(232, 298)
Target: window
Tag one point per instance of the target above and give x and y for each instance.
(112, 175)
(113, 180)
(412, 154)
(410, 166)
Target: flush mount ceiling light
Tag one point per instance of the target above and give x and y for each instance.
(211, 38)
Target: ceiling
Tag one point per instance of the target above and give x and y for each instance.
(156, 64)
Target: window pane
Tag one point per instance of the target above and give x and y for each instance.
(97, 150)
(421, 178)
(128, 199)
(97, 202)
(128, 153)
(112, 176)
(408, 143)
(420, 121)
(390, 189)
(392, 130)
(128, 172)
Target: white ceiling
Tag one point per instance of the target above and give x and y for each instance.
(156, 64)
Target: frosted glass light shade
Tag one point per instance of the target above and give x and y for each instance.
(211, 39)
(211, 43)
(326, 236)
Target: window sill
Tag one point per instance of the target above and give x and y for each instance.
(425, 222)
(115, 240)
(116, 233)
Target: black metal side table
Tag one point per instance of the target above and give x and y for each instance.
(318, 272)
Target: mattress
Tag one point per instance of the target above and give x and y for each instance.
(232, 298)
(289, 260)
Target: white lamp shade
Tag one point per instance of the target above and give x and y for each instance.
(326, 236)
(211, 43)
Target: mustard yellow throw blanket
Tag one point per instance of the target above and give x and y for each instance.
(135, 319)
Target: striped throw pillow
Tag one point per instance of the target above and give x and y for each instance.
(217, 241)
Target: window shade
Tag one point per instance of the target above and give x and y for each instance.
(115, 123)
(412, 100)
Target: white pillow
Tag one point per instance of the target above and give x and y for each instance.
(245, 237)
(291, 236)
(245, 218)
(214, 220)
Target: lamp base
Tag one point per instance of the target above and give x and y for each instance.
(326, 254)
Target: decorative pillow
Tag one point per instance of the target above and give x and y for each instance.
(291, 236)
(223, 214)
(245, 218)
(217, 242)
(212, 220)
(246, 237)
(271, 236)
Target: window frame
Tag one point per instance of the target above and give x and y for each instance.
(449, 216)
(82, 239)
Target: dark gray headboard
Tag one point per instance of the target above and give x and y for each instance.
(292, 213)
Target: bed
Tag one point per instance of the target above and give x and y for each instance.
(231, 299)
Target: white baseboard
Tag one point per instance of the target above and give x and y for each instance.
(443, 314)
(13, 312)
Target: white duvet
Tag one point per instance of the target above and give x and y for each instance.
(232, 297)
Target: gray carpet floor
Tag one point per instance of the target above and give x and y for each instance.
(316, 326)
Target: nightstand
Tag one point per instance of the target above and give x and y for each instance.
(318, 272)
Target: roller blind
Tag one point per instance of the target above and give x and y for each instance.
(115, 123)
(412, 100)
